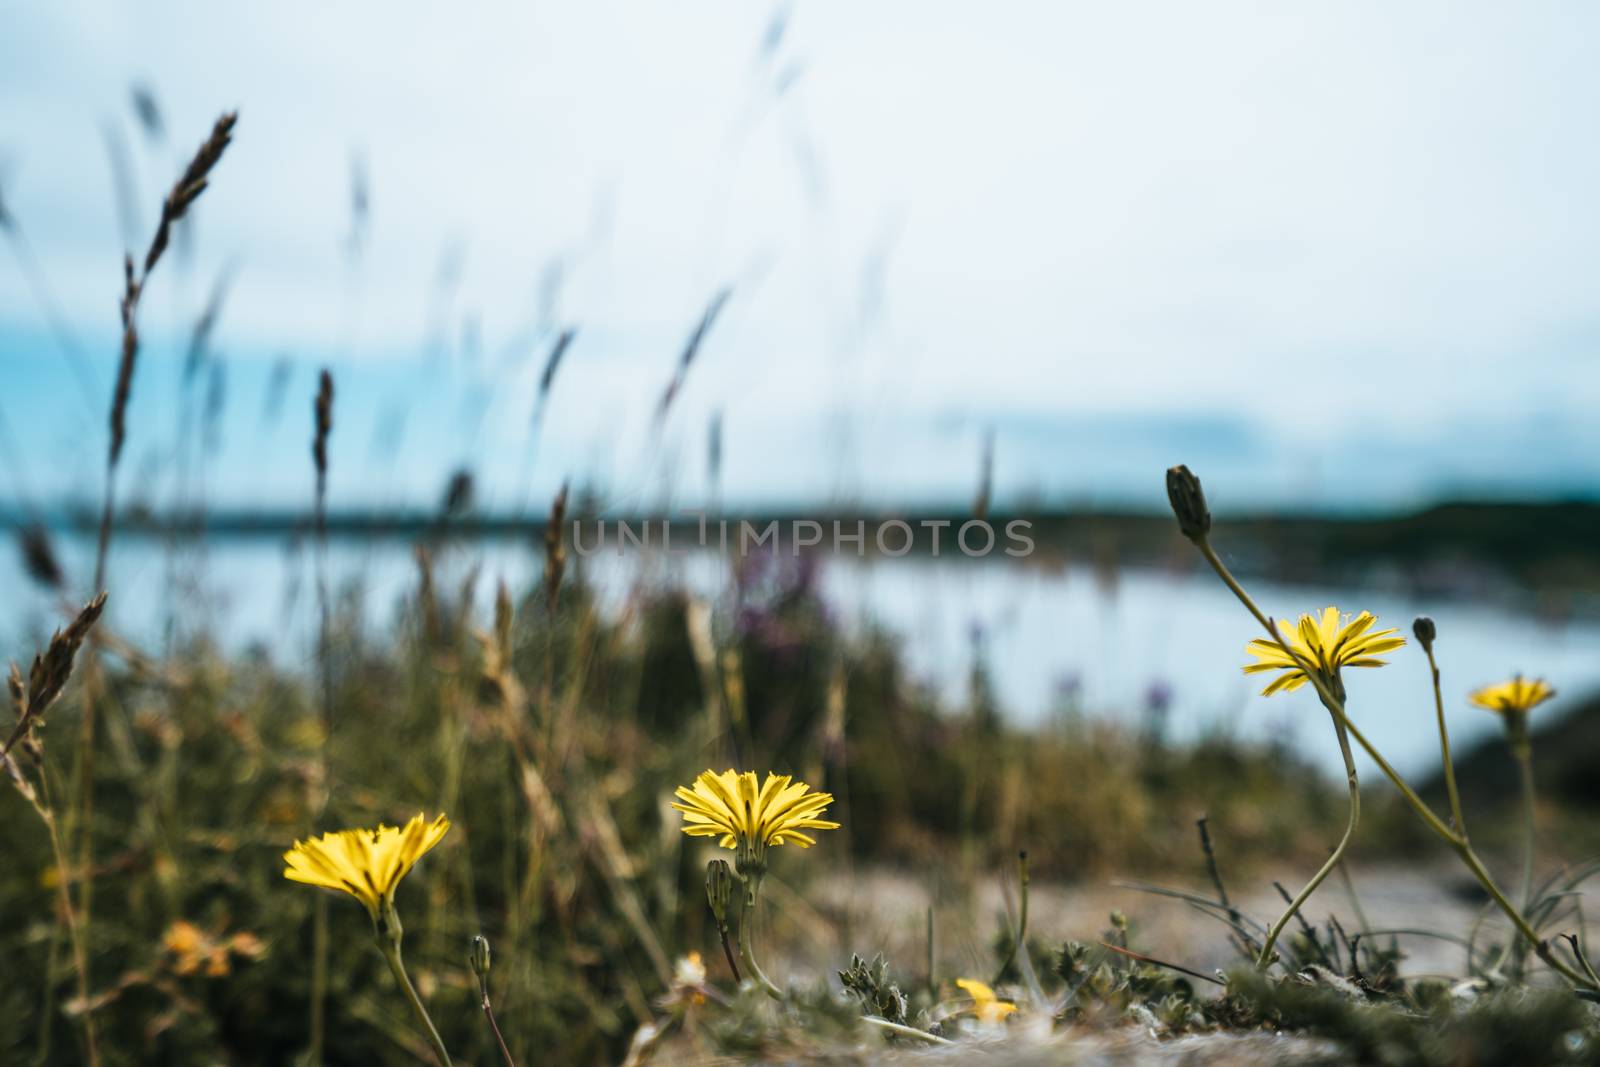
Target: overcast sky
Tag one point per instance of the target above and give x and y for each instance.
(1334, 254)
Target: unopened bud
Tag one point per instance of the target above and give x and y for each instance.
(1423, 627)
(720, 881)
(478, 956)
(1188, 502)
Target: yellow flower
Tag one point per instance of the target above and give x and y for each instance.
(1515, 697)
(730, 807)
(985, 1005)
(1327, 643)
(367, 864)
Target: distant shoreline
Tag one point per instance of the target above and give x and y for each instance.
(1550, 549)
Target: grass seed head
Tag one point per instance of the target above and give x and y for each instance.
(322, 413)
(188, 188)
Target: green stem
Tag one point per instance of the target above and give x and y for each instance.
(1444, 751)
(1022, 918)
(80, 952)
(1524, 756)
(494, 1024)
(389, 933)
(319, 978)
(1327, 868)
(1456, 841)
(1522, 750)
(727, 950)
(905, 1031)
(747, 920)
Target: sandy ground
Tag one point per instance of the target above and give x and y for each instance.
(886, 910)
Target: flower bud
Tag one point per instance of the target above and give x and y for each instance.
(1188, 502)
(720, 881)
(478, 956)
(1426, 632)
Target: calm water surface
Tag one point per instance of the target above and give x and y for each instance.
(1109, 645)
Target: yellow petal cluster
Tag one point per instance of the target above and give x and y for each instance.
(1516, 696)
(367, 864)
(1326, 641)
(985, 1005)
(732, 808)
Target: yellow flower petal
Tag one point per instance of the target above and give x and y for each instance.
(1517, 696)
(1324, 642)
(734, 806)
(985, 1005)
(367, 864)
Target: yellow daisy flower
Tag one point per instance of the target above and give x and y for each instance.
(367, 864)
(985, 1005)
(1515, 697)
(741, 815)
(1326, 642)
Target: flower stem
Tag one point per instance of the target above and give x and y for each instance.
(389, 932)
(1334, 860)
(494, 1025)
(1022, 918)
(1444, 751)
(80, 955)
(319, 978)
(1524, 755)
(1523, 751)
(727, 950)
(1457, 841)
(905, 1031)
(747, 920)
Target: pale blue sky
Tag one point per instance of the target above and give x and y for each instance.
(1333, 254)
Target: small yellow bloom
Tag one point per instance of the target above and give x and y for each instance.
(1326, 642)
(1515, 697)
(730, 807)
(367, 864)
(182, 938)
(985, 1005)
(187, 945)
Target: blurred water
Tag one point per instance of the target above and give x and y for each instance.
(1053, 639)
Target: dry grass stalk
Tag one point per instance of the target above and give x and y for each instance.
(18, 692)
(322, 413)
(183, 195)
(177, 204)
(981, 500)
(190, 185)
(555, 549)
(39, 557)
(50, 671)
(692, 348)
(553, 362)
(33, 271)
(499, 677)
(46, 678)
